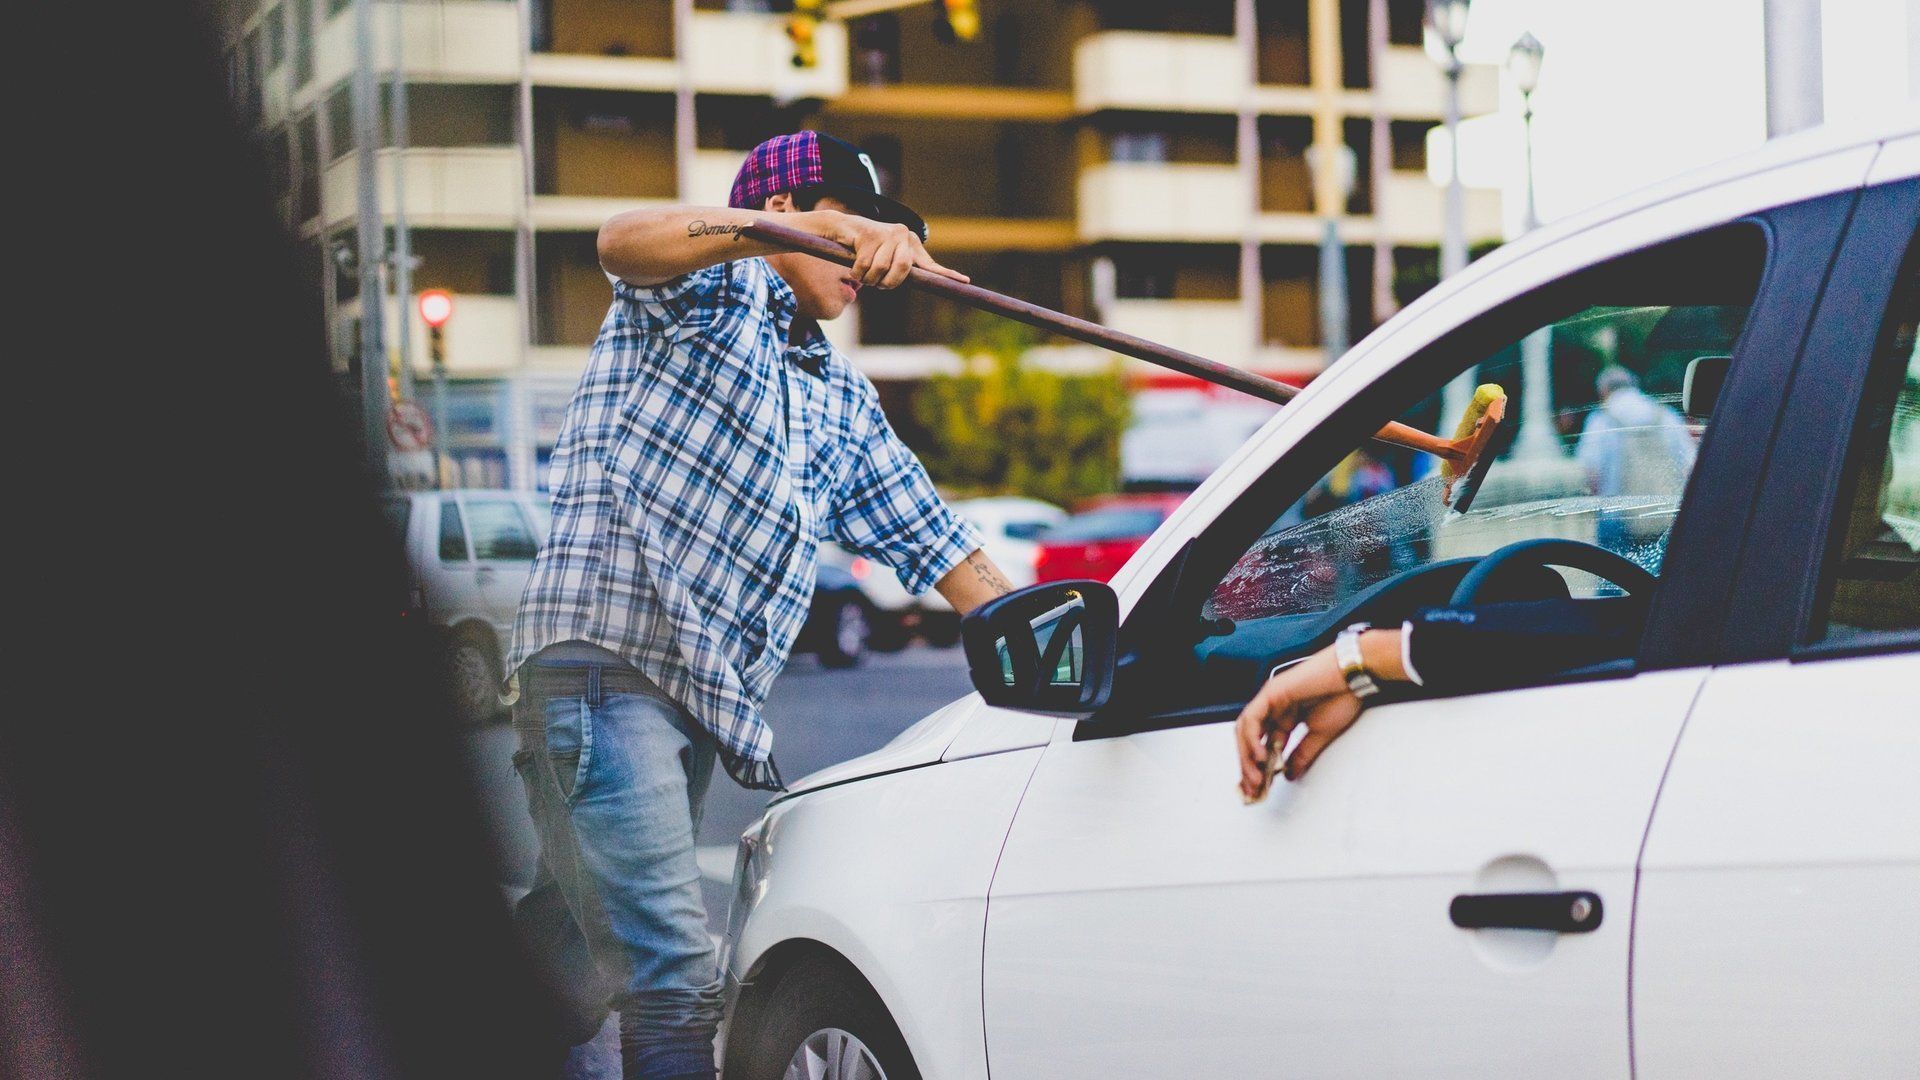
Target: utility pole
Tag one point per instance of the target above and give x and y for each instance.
(1331, 164)
(402, 240)
(1537, 438)
(1246, 156)
(1447, 22)
(375, 398)
(1380, 160)
(1793, 66)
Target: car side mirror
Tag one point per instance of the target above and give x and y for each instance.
(1045, 648)
(1705, 376)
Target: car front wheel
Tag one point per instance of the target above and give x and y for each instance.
(473, 679)
(825, 1024)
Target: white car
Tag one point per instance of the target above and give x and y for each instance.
(1699, 858)
(469, 553)
(1008, 526)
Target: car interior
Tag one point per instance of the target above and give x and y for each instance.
(1580, 516)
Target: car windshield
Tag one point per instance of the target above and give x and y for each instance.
(1607, 467)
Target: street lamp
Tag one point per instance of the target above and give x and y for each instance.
(1523, 63)
(1334, 168)
(1447, 26)
(1536, 438)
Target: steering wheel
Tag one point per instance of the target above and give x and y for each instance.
(1548, 551)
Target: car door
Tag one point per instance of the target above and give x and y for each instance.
(503, 550)
(1775, 933)
(452, 582)
(1142, 922)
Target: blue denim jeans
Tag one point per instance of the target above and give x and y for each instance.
(615, 782)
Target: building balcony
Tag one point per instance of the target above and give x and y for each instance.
(466, 187)
(1125, 69)
(710, 178)
(1411, 86)
(584, 72)
(1410, 210)
(709, 182)
(744, 52)
(486, 336)
(584, 213)
(998, 234)
(942, 101)
(1216, 329)
(1141, 200)
(475, 41)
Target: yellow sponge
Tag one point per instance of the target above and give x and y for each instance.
(1484, 396)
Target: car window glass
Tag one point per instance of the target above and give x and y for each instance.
(453, 535)
(1026, 530)
(499, 530)
(1872, 583)
(1107, 525)
(1603, 458)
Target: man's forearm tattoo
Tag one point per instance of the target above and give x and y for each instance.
(988, 576)
(701, 228)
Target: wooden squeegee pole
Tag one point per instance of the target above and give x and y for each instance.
(1139, 348)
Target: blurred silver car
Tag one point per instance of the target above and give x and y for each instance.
(468, 555)
(1009, 527)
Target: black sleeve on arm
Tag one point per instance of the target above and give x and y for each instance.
(1491, 645)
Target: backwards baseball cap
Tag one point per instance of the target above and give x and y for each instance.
(811, 163)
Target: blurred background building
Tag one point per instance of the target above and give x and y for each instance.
(1143, 165)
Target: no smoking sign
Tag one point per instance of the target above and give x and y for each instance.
(408, 427)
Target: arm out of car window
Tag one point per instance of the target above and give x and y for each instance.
(1450, 649)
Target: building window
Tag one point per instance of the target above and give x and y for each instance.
(1141, 146)
(300, 25)
(276, 28)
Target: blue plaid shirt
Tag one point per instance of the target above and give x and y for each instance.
(701, 461)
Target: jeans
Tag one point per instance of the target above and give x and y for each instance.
(615, 781)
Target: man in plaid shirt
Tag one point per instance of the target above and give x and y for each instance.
(715, 439)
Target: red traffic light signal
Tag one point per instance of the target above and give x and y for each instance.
(436, 307)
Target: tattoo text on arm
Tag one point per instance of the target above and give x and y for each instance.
(983, 569)
(701, 228)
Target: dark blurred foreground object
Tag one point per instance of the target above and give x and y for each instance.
(234, 835)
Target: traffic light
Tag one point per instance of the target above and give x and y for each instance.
(436, 307)
(802, 28)
(958, 20)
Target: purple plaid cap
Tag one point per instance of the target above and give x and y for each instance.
(810, 161)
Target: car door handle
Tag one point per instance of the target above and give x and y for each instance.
(1561, 912)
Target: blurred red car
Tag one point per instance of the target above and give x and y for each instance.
(1098, 540)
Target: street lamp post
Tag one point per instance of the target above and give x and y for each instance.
(375, 399)
(1333, 166)
(1523, 63)
(1447, 26)
(1536, 439)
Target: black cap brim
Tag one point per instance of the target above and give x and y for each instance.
(869, 204)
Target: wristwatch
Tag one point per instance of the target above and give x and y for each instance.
(1353, 667)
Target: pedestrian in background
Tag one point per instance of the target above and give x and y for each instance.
(714, 440)
(1633, 445)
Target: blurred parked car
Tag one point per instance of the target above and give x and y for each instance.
(840, 623)
(1009, 528)
(468, 555)
(1098, 541)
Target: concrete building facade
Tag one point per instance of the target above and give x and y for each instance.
(1144, 165)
